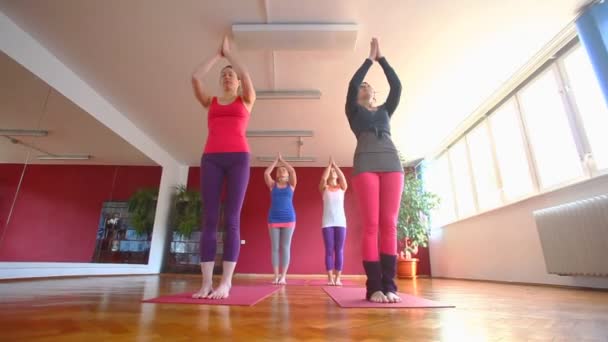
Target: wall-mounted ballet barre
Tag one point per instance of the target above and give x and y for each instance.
(46, 155)
(288, 159)
(300, 134)
(279, 133)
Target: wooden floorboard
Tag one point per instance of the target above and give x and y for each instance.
(110, 309)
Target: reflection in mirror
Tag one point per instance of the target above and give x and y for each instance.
(71, 190)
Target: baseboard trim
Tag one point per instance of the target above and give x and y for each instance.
(14, 280)
(504, 282)
(191, 275)
(268, 275)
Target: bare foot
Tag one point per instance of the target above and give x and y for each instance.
(275, 281)
(282, 281)
(378, 297)
(221, 292)
(393, 297)
(338, 282)
(204, 292)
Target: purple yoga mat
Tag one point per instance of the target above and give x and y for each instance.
(239, 295)
(354, 297)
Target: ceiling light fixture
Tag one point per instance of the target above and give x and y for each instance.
(65, 157)
(308, 94)
(296, 37)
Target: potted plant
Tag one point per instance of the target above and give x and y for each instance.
(142, 208)
(413, 223)
(186, 216)
(187, 211)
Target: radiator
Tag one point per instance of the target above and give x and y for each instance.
(574, 237)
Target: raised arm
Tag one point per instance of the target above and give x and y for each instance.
(341, 178)
(268, 174)
(293, 179)
(353, 85)
(200, 90)
(394, 95)
(358, 77)
(324, 177)
(240, 69)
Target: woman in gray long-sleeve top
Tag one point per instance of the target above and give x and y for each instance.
(378, 176)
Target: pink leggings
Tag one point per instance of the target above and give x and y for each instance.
(379, 198)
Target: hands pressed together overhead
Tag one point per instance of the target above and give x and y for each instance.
(374, 50)
(224, 50)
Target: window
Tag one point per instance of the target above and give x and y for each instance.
(461, 176)
(482, 165)
(511, 152)
(549, 132)
(590, 103)
(437, 180)
(532, 143)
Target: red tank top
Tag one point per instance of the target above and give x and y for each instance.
(227, 125)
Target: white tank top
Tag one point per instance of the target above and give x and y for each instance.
(333, 208)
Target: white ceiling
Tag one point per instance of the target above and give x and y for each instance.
(450, 55)
(71, 130)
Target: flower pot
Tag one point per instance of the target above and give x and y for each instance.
(407, 268)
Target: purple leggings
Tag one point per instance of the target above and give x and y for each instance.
(215, 169)
(334, 244)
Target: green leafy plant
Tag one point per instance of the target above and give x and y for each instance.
(187, 211)
(413, 222)
(142, 208)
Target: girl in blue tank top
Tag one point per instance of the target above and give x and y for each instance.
(281, 216)
(281, 211)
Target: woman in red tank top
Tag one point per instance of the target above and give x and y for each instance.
(225, 159)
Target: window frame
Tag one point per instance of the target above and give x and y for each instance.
(554, 71)
(450, 189)
(470, 180)
(592, 169)
(524, 139)
(484, 124)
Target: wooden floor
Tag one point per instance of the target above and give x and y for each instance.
(109, 309)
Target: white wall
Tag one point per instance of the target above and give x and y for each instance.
(503, 245)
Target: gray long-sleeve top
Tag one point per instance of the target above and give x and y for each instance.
(375, 150)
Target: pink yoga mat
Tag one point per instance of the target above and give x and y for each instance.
(323, 282)
(294, 282)
(354, 297)
(307, 282)
(239, 295)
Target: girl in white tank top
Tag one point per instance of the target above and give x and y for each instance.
(333, 207)
(333, 186)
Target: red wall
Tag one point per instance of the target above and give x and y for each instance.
(57, 209)
(9, 179)
(307, 253)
